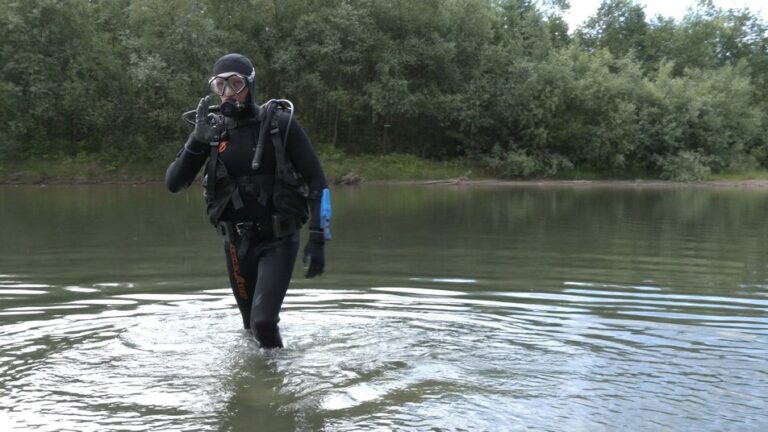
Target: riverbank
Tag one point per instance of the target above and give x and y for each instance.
(350, 170)
(339, 169)
(733, 183)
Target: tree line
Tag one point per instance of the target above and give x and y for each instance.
(504, 83)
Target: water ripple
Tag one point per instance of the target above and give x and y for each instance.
(388, 357)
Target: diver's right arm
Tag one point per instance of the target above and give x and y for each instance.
(182, 172)
(208, 126)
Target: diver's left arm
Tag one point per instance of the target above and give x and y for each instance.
(302, 155)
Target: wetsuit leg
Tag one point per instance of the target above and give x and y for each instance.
(275, 267)
(243, 273)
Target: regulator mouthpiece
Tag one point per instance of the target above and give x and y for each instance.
(231, 107)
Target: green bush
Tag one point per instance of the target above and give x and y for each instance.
(685, 166)
(497, 81)
(510, 163)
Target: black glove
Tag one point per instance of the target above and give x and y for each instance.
(314, 254)
(208, 126)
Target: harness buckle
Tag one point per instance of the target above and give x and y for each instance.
(244, 229)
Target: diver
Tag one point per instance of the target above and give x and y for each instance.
(262, 183)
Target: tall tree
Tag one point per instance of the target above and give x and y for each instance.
(619, 26)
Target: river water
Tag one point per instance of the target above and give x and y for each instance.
(443, 308)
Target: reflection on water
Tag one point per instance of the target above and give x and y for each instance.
(442, 309)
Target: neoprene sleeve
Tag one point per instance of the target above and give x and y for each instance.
(301, 153)
(182, 172)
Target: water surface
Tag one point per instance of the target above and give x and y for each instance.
(443, 308)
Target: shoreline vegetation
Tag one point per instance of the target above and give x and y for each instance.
(409, 90)
(395, 169)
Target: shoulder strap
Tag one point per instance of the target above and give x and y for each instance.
(266, 117)
(210, 186)
(277, 142)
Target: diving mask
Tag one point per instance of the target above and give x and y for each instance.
(234, 81)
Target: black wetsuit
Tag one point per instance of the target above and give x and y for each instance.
(259, 275)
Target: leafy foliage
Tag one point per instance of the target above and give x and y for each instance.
(499, 82)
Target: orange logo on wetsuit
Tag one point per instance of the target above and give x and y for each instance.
(239, 279)
(223, 146)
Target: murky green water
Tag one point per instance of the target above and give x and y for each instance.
(443, 308)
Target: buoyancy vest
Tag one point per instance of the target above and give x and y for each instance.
(286, 189)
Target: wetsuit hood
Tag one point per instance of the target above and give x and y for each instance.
(234, 62)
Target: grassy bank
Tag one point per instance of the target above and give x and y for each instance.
(78, 171)
(338, 166)
(738, 176)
